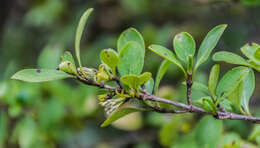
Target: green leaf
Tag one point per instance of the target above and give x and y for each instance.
(80, 29)
(252, 51)
(209, 43)
(131, 59)
(110, 58)
(230, 57)
(208, 132)
(166, 54)
(133, 81)
(67, 63)
(149, 85)
(160, 73)
(207, 104)
(130, 35)
(118, 114)
(40, 75)
(240, 97)
(68, 57)
(231, 80)
(184, 45)
(213, 79)
(200, 87)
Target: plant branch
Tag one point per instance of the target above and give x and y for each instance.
(143, 95)
(189, 85)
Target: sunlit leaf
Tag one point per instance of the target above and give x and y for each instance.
(160, 73)
(118, 114)
(134, 81)
(184, 45)
(230, 57)
(130, 35)
(80, 29)
(131, 59)
(110, 58)
(231, 80)
(40, 75)
(209, 43)
(208, 132)
(166, 54)
(213, 79)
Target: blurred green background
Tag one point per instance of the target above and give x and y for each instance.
(66, 114)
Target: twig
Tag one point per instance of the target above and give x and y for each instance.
(143, 95)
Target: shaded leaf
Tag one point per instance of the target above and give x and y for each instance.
(110, 58)
(209, 43)
(208, 131)
(160, 73)
(184, 46)
(131, 59)
(167, 54)
(251, 50)
(230, 57)
(149, 85)
(130, 35)
(213, 79)
(80, 29)
(231, 80)
(40, 75)
(118, 114)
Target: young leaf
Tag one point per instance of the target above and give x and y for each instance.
(207, 104)
(184, 45)
(118, 114)
(251, 50)
(231, 80)
(67, 63)
(79, 32)
(209, 43)
(160, 73)
(110, 58)
(167, 54)
(130, 35)
(208, 132)
(149, 85)
(230, 57)
(134, 81)
(131, 59)
(248, 90)
(213, 79)
(40, 75)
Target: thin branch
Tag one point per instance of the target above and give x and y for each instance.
(189, 85)
(186, 108)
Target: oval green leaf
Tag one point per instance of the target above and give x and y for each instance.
(184, 45)
(231, 80)
(251, 50)
(166, 54)
(40, 75)
(131, 59)
(80, 29)
(129, 35)
(110, 58)
(209, 43)
(230, 58)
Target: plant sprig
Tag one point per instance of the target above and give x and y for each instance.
(125, 67)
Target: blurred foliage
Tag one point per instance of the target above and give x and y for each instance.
(66, 114)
